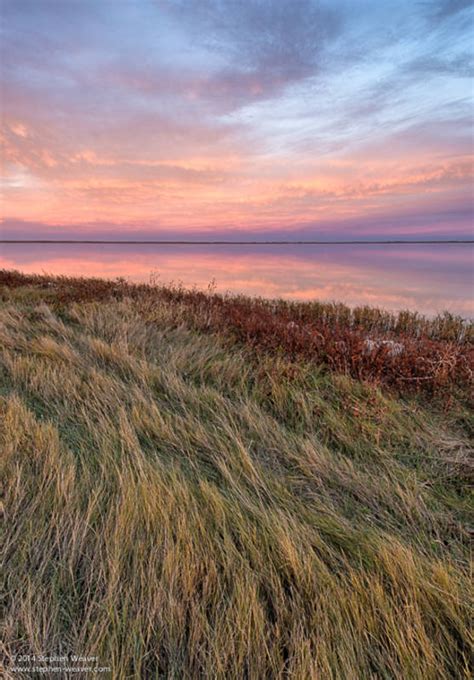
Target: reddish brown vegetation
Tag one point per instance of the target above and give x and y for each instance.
(436, 355)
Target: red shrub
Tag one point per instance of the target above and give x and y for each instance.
(406, 351)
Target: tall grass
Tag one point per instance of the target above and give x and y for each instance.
(180, 510)
(431, 355)
(445, 326)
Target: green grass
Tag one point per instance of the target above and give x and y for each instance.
(183, 507)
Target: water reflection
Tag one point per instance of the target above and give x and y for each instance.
(429, 278)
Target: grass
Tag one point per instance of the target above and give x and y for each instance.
(185, 501)
(437, 355)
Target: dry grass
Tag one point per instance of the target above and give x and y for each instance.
(181, 511)
(434, 356)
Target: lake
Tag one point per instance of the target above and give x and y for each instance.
(429, 278)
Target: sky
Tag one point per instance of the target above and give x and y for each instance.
(237, 119)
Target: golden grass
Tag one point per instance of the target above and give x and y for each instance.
(182, 511)
(405, 351)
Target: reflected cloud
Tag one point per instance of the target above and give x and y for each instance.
(429, 279)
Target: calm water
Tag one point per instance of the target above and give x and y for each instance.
(428, 278)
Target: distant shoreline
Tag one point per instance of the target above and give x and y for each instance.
(233, 243)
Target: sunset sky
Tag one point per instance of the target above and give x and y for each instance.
(231, 118)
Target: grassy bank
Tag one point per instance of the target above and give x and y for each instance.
(186, 496)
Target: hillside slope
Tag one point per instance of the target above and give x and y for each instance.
(182, 506)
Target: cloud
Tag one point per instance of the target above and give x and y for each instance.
(444, 9)
(236, 114)
(461, 65)
(263, 46)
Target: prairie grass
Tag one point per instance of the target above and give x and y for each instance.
(436, 357)
(184, 506)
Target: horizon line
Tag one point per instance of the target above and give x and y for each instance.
(236, 243)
